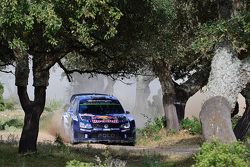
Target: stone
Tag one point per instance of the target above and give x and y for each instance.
(216, 122)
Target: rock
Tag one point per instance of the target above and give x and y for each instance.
(216, 122)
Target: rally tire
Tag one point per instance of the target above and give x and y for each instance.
(72, 135)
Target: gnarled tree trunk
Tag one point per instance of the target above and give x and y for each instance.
(32, 109)
(228, 76)
(169, 99)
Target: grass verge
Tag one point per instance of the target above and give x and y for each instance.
(54, 156)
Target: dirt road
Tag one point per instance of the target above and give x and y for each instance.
(51, 127)
(171, 151)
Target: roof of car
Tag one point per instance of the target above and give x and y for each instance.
(94, 96)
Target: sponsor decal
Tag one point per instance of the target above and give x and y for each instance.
(104, 119)
(89, 115)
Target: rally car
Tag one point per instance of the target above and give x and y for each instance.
(98, 118)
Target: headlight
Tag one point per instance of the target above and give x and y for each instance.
(85, 125)
(126, 125)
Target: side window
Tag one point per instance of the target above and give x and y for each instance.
(71, 106)
(75, 107)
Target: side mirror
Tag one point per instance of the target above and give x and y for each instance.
(127, 112)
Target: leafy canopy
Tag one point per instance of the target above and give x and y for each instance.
(36, 25)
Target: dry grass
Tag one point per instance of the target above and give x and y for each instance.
(7, 115)
(167, 139)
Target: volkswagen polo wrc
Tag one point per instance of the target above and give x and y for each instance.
(98, 118)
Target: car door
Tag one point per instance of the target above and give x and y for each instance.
(67, 116)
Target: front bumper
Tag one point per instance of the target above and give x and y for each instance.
(105, 135)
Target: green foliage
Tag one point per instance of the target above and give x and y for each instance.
(235, 30)
(20, 18)
(75, 163)
(192, 125)
(15, 123)
(151, 128)
(153, 161)
(107, 162)
(223, 155)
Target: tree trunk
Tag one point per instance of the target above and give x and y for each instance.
(242, 126)
(180, 110)
(32, 109)
(228, 76)
(182, 97)
(141, 109)
(170, 112)
(169, 99)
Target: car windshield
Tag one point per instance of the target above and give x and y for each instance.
(100, 108)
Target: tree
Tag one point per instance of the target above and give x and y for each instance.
(161, 51)
(47, 31)
(227, 38)
(171, 57)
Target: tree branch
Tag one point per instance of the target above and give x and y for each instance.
(69, 77)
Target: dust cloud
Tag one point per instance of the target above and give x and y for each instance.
(55, 127)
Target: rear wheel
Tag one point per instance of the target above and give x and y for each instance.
(72, 135)
(62, 129)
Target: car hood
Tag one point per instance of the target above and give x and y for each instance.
(111, 118)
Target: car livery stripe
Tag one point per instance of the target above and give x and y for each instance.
(105, 121)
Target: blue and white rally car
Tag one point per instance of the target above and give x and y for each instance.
(98, 118)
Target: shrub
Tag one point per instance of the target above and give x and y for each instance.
(1, 125)
(223, 155)
(14, 123)
(75, 163)
(193, 126)
(108, 161)
(2, 106)
(9, 105)
(152, 128)
(52, 105)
